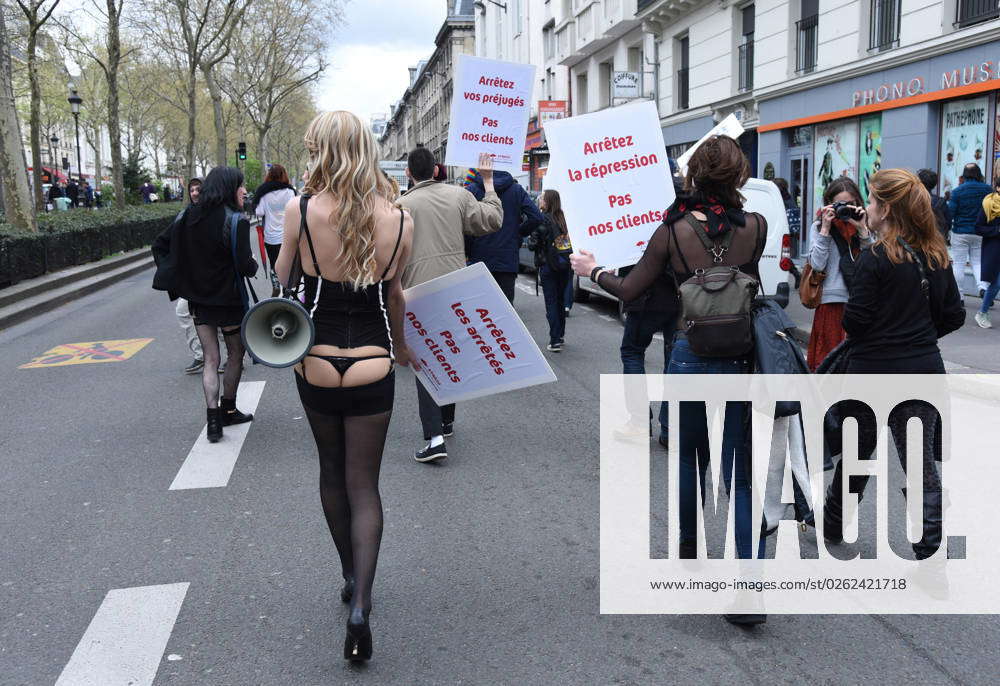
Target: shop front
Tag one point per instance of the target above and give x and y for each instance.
(938, 113)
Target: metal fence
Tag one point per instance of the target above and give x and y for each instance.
(746, 66)
(805, 43)
(883, 32)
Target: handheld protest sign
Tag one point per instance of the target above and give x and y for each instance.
(613, 177)
(730, 127)
(489, 112)
(468, 339)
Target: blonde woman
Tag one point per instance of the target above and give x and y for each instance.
(355, 241)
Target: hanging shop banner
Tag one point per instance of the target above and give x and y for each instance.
(964, 126)
(625, 85)
(489, 112)
(871, 152)
(549, 110)
(611, 169)
(468, 339)
(835, 153)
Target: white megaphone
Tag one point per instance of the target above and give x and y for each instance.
(278, 332)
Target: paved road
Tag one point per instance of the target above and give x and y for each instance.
(489, 569)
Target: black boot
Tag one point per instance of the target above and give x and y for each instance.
(214, 424)
(930, 540)
(688, 550)
(230, 415)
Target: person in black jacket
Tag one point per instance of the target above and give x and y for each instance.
(552, 251)
(498, 251)
(195, 261)
(903, 299)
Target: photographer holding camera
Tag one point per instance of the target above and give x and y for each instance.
(836, 238)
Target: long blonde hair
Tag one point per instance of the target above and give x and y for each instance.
(909, 216)
(343, 161)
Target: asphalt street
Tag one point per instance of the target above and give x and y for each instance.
(489, 565)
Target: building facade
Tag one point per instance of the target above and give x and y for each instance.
(421, 116)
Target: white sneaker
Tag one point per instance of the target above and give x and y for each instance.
(983, 319)
(632, 432)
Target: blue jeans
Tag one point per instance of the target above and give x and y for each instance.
(694, 449)
(568, 297)
(638, 335)
(554, 289)
(990, 296)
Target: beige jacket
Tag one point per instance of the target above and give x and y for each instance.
(442, 213)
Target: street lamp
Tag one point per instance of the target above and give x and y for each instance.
(74, 105)
(54, 140)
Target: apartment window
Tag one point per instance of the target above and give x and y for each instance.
(549, 40)
(748, 18)
(604, 76)
(883, 31)
(682, 73)
(971, 12)
(643, 4)
(581, 94)
(805, 37)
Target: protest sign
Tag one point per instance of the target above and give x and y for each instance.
(730, 126)
(489, 112)
(612, 174)
(468, 339)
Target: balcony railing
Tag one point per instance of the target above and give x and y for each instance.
(883, 32)
(682, 89)
(805, 44)
(971, 12)
(746, 66)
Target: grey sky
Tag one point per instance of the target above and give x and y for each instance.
(370, 54)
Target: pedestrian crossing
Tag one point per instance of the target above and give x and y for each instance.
(124, 643)
(209, 465)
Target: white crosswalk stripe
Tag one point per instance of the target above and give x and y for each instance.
(209, 465)
(125, 640)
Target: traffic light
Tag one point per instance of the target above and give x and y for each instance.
(241, 151)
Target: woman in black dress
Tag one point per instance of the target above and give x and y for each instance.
(209, 272)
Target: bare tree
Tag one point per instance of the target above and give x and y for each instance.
(13, 174)
(268, 67)
(36, 15)
(197, 30)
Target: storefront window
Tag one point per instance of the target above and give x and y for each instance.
(870, 152)
(835, 154)
(964, 131)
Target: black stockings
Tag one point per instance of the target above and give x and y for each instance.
(209, 337)
(350, 456)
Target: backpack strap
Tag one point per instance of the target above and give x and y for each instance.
(680, 253)
(304, 228)
(716, 250)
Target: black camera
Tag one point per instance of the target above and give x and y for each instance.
(845, 211)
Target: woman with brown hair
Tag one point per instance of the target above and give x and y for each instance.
(353, 239)
(711, 203)
(552, 250)
(270, 199)
(904, 299)
(836, 239)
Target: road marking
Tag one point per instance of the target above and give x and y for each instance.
(126, 638)
(88, 353)
(209, 465)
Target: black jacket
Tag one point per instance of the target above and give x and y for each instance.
(887, 316)
(545, 252)
(499, 250)
(194, 260)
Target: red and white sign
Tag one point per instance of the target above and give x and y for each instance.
(468, 339)
(613, 176)
(489, 112)
(550, 110)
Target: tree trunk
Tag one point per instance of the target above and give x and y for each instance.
(36, 117)
(220, 124)
(98, 168)
(262, 132)
(114, 127)
(17, 206)
(192, 112)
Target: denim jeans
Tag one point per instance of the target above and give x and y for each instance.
(568, 297)
(991, 295)
(554, 289)
(637, 336)
(694, 449)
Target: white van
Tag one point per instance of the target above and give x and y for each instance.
(763, 197)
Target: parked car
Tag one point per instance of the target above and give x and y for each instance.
(763, 197)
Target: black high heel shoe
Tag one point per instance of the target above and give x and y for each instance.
(347, 592)
(358, 644)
